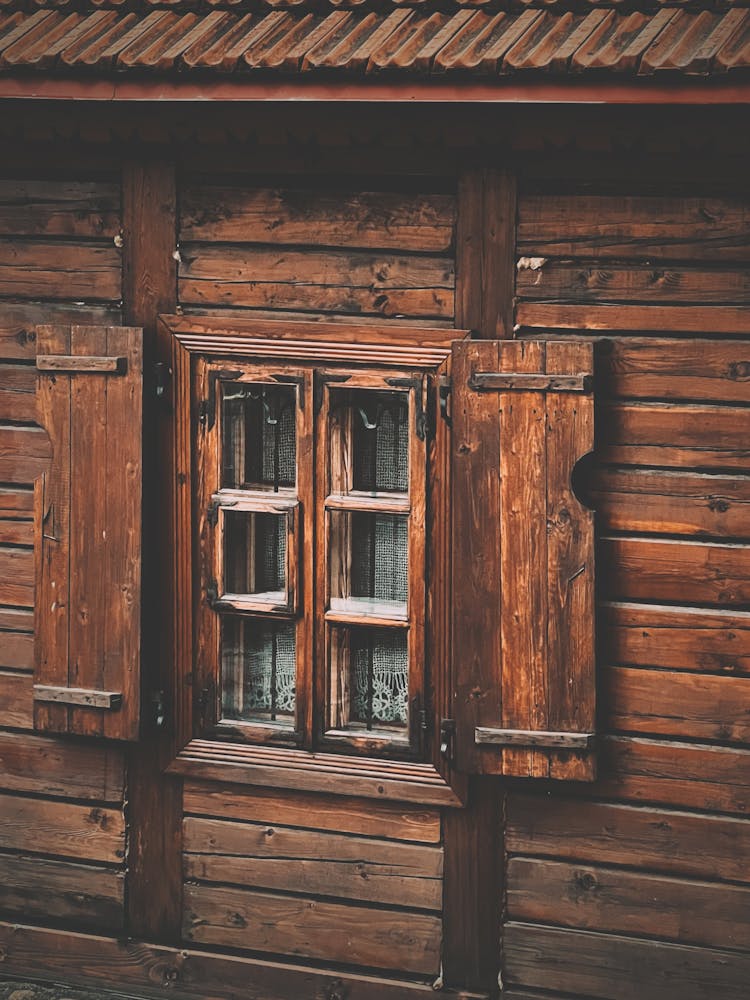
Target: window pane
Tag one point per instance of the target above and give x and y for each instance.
(259, 437)
(255, 554)
(370, 441)
(369, 678)
(369, 556)
(258, 664)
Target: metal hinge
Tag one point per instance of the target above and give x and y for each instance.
(448, 739)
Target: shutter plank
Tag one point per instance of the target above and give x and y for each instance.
(89, 504)
(523, 632)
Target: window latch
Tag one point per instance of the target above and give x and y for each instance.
(448, 739)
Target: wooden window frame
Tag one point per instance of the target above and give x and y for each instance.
(424, 353)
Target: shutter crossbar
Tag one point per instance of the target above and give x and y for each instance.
(81, 364)
(523, 382)
(532, 738)
(88, 697)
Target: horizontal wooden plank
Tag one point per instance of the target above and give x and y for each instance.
(590, 897)
(678, 638)
(59, 208)
(88, 697)
(81, 364)
(700, 319)
(17, 393)
(674, 435)
(613, 967)
(670, 703)
(62, 828)
(636, 227)
(351, 282)
(16, 619)
(414, 324)
(34, 269)
(317, 812)
(88, 960)
(79, 894)
(663, 570)
(18, 319)
(332, 932)
(487, 736)
(16, 649)
(16, 501)
(17, 576)
(599, 282)
(15, 531)
(709, 778)
(16, 702)
(680, 843)
(49, 766)
(304, 861)
(24, 453)
(335, 218)
(668, 502)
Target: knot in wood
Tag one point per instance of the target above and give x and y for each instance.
(336, 990)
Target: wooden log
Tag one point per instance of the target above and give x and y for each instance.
(637, 227)
(679, 843)
(24, 453)
(351, 282)
(16, 619)
(16, 502)
(667, 703)
(322, 864)
(16, 648)
(679, 503)
(47, 766)
(93, 833)
(335, 932)
(59, 208)
(613, 967)
(663, 570)
(316, 812)
(79, 894)
(18, 319)
(34, 269)
(699, 319)
(590, 897)
(16, 531)
(300, 217)
(16, 698)
(88, 960)
(17, 393)
(596, 282)
(677, 638)
(17, 577)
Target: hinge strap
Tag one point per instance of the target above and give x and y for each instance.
(87, 697)
(68, 364)
(533, 738)
(522, 382)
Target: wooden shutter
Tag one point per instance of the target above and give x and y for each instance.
(523, 559)
(88, 531)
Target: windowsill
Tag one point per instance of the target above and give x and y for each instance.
(334, 774)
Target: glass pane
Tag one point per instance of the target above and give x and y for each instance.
(255, 554)
(258, 669)
(370, 678)
(370, 441)
(368, 560)
(259, 436)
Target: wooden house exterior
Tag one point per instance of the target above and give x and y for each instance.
(374, 498)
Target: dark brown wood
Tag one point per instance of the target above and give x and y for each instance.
(31, 269)
(92, 833)
(19, 319)
(17, 576)
(397, 940)
(614, 967)
(90, 639)
(487, 381)
(692, 844)
(16, 698)
(638, 318)
(47, 766)
(79, 365)
(52, 207)
(88, 960)
(17, 388)
(24, 453)
(533, 738)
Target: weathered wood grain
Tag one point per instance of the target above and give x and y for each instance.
(692, 844)
(613, 967)
(18, 319)
(48, 766)
(609, 899)
(79, 894)
(89, 960)
(17, 388)
(17, 576)
(16, 697)
(664, 570)
(298, 216)
(16, 619)
(665, 703)
(351, 282)
(678, 638)
(669, 502)
(53, 207)
(303, 861)
(35, 270)
(334, 932)
(16, 531)
(16, 648)
(93, 833)
(24, 453)
(315, 812)
(666, 227)
(16, 502)
(700, 319)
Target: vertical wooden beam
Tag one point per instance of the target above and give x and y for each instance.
(154, 888)
(474, 837)
(485, 252)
